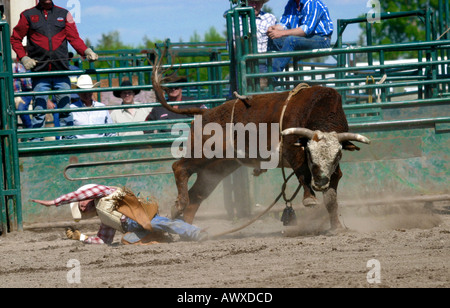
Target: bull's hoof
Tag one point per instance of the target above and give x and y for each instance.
(175, 213)
(336, 230)
(310, 202)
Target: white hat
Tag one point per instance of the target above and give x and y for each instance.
(75, 209)
(75, 206)
(85, 82)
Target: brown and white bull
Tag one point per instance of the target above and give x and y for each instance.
(314, 133)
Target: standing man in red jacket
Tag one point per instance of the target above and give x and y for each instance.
(48, 29)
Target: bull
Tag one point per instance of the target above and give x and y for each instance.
(314, 131)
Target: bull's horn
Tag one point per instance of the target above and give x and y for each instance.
(301, 131)
(352, 137)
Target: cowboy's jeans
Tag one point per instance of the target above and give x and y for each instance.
(295, 43)
(184, 230)
(62, 100)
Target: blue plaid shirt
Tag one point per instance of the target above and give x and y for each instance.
(312, 17)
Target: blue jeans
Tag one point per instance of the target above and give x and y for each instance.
(183, 229)
(295, 43)
(62, 100)
(26, 119)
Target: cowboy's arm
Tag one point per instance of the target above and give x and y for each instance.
(276, 32)
(83, 193)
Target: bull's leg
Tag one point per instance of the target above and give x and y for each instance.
(207, 180)
(304, 177)
(182, 175)
(330, 200)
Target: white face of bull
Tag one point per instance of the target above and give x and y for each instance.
(323, 152)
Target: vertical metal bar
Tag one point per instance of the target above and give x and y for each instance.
(232, 52)
(341, 58)
(238, 48)
(3, 206)
(253, 41)
(246, 41)
(441, 29)
(369, 42)
(420, 73)
(11, 152)
(447, 35)
(382, 72)
(429, 91)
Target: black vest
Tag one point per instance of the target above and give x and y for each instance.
(47, 42)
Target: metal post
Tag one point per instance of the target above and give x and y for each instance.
(11, 203)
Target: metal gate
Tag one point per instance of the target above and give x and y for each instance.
(10, 210)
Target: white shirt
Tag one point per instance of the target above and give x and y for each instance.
(125, 116)
(93, 117)
(263, 22)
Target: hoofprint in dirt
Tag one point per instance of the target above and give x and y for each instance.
(409, 244)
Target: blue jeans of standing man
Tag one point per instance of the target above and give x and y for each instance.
(295, 43)
(62, 100)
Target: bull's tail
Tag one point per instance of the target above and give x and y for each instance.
(158, 79)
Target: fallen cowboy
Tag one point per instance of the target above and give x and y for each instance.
(120, 210)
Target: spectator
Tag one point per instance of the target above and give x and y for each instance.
(73, 79)
(263, 22)
(94, 117)
(22, 85)
(48, 28)
(120, 210)
(174, 94)
(129, 114)
(305, 25)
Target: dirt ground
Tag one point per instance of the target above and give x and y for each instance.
(410, 243)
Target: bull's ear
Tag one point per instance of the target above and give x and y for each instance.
(347, 145)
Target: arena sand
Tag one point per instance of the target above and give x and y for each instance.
(411, 244)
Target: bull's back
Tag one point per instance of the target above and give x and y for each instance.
(316, 107)
(264, 108)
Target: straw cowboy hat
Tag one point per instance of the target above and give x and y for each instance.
(85, 82)
(125, 83)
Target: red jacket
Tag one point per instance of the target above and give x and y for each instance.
(48, 32)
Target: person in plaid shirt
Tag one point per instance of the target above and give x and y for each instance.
(263, 22)
(144, 226)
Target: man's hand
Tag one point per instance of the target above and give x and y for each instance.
(45, 202)
(91, 55)
(28, 63)
(275, 32)
(73, 234)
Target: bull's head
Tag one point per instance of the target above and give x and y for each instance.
(324, 151)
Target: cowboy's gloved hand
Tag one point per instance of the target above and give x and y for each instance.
(73, 234)
(28, 62)
(91, 55)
